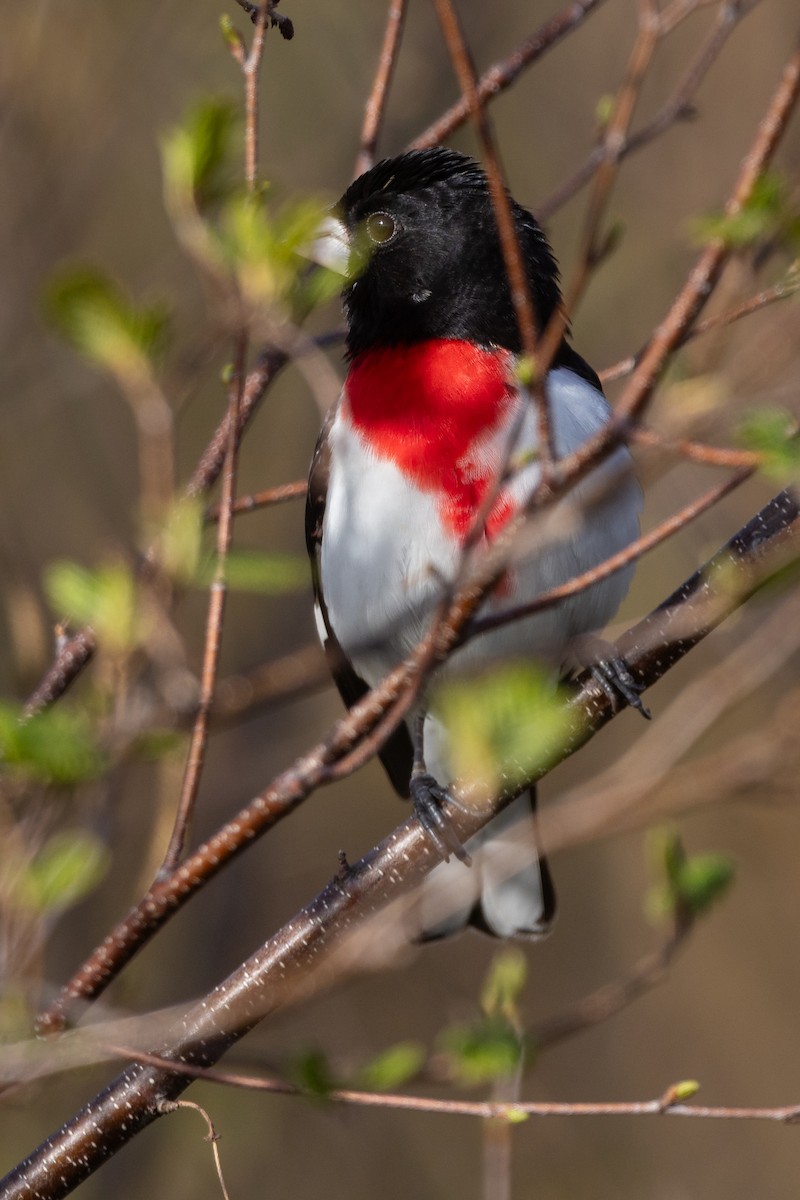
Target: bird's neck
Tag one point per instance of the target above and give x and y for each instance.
(431, 408)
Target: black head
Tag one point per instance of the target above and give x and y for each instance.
(424, 229)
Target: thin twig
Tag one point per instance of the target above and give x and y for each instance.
(616, 562)
(699, 452)
(266, 499)
(506, 227)
(594, 244)
(699, 285)
(612, 998)
(502, 74)
(213, 636)
(73, 652)
(170, 1106)
(781, 290)
(666, 1105)
(252, 75)
(709, 266)
(260, 376)
(218, 591)
(678, 107)
(379, 93)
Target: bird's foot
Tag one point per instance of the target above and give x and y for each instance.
(429, 799)
(610, 670)
(615, 679)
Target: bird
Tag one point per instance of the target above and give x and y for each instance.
(430, 405)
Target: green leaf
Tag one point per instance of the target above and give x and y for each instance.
(90, 312)
(503, 727)
(180, 540)
(773, 434)
(504, 983)
(312, 1073)
(196, 155)
(770, 214)
(527, 371)
(394, 1067)
(55, 747)
(515, 1116)
(233, 39)
(104, 598)
(481, 1053)
(603, 110)
(691, 883)
(254, 571)
(68, 867)
(704, 879)
(267, 252)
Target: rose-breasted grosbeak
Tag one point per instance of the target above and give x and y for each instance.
(421, 432)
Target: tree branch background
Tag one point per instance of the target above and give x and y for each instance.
(85, 98)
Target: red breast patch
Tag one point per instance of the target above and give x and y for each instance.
(431, 409)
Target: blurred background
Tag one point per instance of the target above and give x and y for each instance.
(86, 95)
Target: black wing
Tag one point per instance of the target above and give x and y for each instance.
(569, 358)
(397, 754)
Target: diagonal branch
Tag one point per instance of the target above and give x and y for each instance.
(321, 943)
(503, 74)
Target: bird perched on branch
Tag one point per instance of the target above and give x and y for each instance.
(434, 433)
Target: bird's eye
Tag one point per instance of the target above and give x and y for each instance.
(380, 227)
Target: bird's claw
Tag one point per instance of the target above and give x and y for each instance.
(616, 680)
(429, 799)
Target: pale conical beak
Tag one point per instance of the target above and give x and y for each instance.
(331, 246)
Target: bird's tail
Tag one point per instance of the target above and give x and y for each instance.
(507, 892)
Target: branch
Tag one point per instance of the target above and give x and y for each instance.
(206, 473)
(265, 499)
(679, 107)
(785, 287)
(73, 652)
(379, 94)
(623, 558)
(322, 942)
(666, 1105)
(198, 742)
(699, 285)
(506, 226)
(503, 74)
